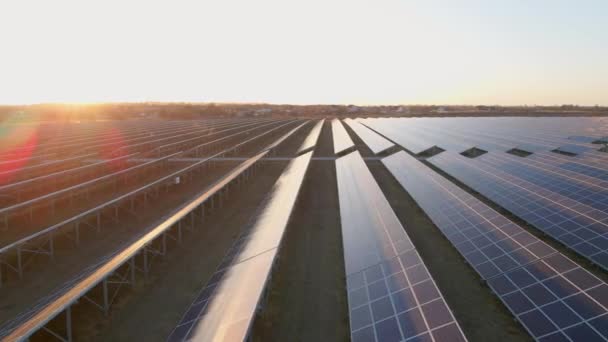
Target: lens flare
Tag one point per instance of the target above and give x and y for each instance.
(16, 149)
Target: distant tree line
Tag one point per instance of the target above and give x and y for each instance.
(186, 111)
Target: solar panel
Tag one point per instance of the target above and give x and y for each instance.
(457, 136)
(584, 139)
(373, 140)
(406, 133)
(224, 310)
(342, 140)
(391, 295)
(578, 187)
(48, 308)
(489, 134)
(581, 166)
(575, 149)
(578, 226)
(577, 168)
(225, 307)
(585, 170)
(313, 136)
(550, 295)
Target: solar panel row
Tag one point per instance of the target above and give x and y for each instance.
(589, 168)
(313, 136)
(391, 295)
(585, 139)
(572, 167)
(373, 140)
(38, 317)
(123, 140)
(342, 141)
(411, 135)
(581, 188)
(578, 226)
(28, 243)
(225, 307)
(58, 143)
(550, 295)
(492, 134)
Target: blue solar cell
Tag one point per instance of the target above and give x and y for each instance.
(377, 289)
(382, 309)
(437, 314)
(539, 294)
(521, 278)
(585, 306)
(360, 317)
(600, 324)
(561, 314)
(412, 323)
(556, 337)
(600, 294)
(358, 297)
(388, 330)
(601, 259)
(518, 302)
(501, 285)
(584, 332)
(537, 323)
(447, 333)
(364, 335)
(426, 292)
(404, 300)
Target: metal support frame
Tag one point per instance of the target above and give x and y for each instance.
(68, 328)
(113, 282)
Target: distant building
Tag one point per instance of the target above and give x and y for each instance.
(263, 111)
(352, 109)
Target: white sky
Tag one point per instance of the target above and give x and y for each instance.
(314, 51)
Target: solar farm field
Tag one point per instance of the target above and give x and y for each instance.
(362, 229)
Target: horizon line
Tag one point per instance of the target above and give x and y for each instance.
(78, 103)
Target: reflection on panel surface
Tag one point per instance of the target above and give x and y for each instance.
(498, 134)
(373, 140)
(313, 136)
(391, 295)
(342, 140)
(225, 307)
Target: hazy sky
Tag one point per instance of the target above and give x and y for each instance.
(306, 51)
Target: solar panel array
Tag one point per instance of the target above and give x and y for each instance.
(225, 307)
(580, 188)
(497, 134)
(36, 317)
(577, 225)
(373, 140)
(594, 169)
(550, 295)
(391, 295)
(342, 141)
(560, 186)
